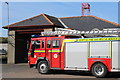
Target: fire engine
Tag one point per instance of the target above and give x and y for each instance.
(99, 55)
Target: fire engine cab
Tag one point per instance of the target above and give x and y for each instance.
(99, 55)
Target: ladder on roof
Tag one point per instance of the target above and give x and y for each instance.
(69, 32)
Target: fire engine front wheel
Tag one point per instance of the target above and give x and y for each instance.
(99, 70)
(43, 67)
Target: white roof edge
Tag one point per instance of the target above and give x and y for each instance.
(62, 23)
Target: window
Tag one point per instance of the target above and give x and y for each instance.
(48, 43)
(56, 43)
(37, 44)
(33, 44)
(42, 44)
(33, 48)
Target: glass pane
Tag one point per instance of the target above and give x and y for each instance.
(33, 44)
(33, 48)
(48, 44)
(37, 44)
(56, 43)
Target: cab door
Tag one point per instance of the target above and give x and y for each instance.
(37, 49)
(56, 53)
(32, 49)
(35, 46)
(48, 49)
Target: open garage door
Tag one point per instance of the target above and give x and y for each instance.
(21, 48)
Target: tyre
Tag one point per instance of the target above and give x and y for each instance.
(99, 70)
(43, 67)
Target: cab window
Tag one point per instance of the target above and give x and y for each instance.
(56, 44)
(48, 44)
(37, 42)
(33, 44)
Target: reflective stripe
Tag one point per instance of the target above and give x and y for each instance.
(67, 40)
(39, 51)
(89, 39)
(93, 39)
(54, 51)
(29, 53)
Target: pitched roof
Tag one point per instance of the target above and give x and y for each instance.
(85, 23)
(41, 19)
(82, 23)
(54, 20)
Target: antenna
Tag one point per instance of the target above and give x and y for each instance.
(8, 15)
(85, 9)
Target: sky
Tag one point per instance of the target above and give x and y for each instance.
(23, 10)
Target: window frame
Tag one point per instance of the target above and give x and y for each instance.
(42, 44)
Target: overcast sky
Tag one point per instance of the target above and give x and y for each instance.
(22, 10)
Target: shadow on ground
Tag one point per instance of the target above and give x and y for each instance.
(57, 72)
(83, 73)
(114, 75)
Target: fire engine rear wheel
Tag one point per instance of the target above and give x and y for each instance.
(99, 70)
(43, 67)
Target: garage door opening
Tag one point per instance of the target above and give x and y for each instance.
(21, 48)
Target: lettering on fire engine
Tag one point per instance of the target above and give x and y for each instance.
(98, 39)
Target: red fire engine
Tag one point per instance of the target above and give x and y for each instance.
(99, 55)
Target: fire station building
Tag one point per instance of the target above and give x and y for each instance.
(20, 32)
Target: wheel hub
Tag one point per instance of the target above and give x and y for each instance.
(99, 70)
(42, 67)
